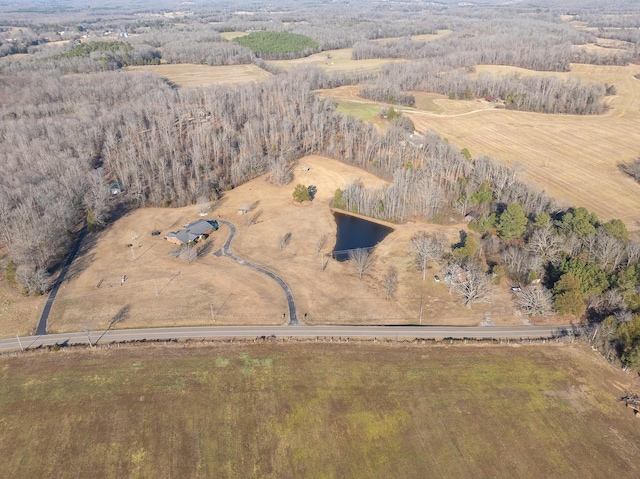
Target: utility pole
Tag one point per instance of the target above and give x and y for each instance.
(420, 310)
(212, 316)
(20, 343)
(88, 337)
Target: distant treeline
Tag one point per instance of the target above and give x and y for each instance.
(543, 94)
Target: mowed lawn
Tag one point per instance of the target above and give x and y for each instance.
(316, 410)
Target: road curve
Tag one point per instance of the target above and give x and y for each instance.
(309, 332)
(226, 251)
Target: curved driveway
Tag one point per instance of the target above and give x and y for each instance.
(293, 317)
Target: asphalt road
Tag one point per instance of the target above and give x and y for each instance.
(229, 332)
(226, 250)
(44, 317)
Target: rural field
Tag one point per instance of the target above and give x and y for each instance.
(186, 75)
(294, 410)
(161, 290)
(340, 60)
(573, 157)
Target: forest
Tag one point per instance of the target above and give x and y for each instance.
(74, 122)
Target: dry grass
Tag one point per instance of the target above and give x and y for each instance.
(333, 295)
(274, 410)
(573, 157)
(335, 60)
(188, 75)
(340, 60)
(231, 35)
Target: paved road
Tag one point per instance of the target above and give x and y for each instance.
(44, 317)
(228, 332)
(226, 250)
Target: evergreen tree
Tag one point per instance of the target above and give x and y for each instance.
(513, 222)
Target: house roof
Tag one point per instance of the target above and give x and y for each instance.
(193, 230)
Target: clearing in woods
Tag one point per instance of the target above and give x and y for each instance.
(161, 290)
(267, 409)
(573, 157)
(340, 60)
(188, 75)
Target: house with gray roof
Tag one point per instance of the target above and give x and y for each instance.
(192, 232)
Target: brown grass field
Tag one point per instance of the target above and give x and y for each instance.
(574, 158)
(188, 75)
(161, 290)
(340, 60)
(317, 410)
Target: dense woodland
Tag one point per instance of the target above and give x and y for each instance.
(73, 123)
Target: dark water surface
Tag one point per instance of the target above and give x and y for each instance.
(356, 233)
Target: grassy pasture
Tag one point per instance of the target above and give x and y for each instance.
(335, 60)
(164, 291)
(316, 410)
(573, 157)
(231, 35)
(189, 75)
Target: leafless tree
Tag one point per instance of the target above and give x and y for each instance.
(520, 263)
(471, 283)
(252, 219)
(188, 253)
(35, 280)
(390, 282)
(546, 244)
(283, 241)
(203, 205)
(280, 173)
(321, 243)
(362, 260)
(633, 252)
(535, 300)
(427, 247)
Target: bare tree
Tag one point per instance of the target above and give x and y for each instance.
(280, 173)
(283, 241)
(203, 205)
(545, 243)
(390, 282)
(322, 241)
(188, 253)
(426, 247)
(35, 280)
(362, 260)
(471, 283)
(253, 219)
(535, 301)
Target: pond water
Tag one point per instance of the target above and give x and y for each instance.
(356, 233)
